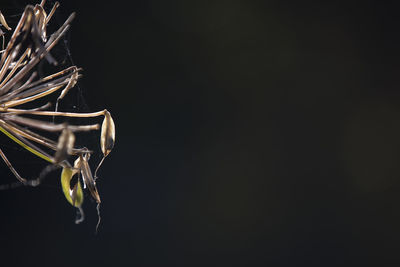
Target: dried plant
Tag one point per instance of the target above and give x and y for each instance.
(20, 84)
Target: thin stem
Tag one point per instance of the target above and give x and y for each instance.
(34, 137)
(53, 113)
(25, 144)
(10, 166)
(17, 65)
(41, 139)
(34, 87)
(28, 12)
(31, 98)
(40, 54)
(56, 5)
(48, 126)
(98, 167)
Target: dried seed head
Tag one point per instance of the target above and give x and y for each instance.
(71, 187)
(107, 138)
(65, 145)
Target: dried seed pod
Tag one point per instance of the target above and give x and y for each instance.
(88, 177)
(107, 138)
(40, 18)
(4, 22)
(65, 145)
(71, 83)
(72, 188)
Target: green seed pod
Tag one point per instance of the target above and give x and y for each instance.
(72, 188)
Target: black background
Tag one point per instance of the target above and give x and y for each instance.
(248, 132)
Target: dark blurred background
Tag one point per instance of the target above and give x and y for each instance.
(248, 133)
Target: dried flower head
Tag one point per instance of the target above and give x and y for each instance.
(20, 84)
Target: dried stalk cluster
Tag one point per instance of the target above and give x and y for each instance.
(20, 84)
